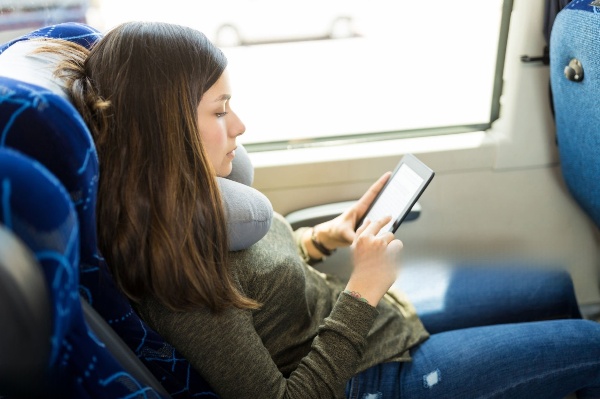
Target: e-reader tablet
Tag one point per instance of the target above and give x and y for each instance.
(400, 193)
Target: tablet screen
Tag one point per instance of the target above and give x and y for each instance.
(401, 191)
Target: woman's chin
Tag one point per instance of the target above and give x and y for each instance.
(225, 169)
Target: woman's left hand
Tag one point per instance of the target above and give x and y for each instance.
(340, 232)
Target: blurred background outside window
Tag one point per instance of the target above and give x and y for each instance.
(315, 72)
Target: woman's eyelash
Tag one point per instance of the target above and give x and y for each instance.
(221, 114)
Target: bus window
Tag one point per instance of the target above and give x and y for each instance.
(319, 72)
(18, 17)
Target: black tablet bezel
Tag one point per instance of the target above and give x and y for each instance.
(420, 169)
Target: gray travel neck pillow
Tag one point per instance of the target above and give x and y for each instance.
(249, 212)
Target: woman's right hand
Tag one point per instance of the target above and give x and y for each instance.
(375, 258)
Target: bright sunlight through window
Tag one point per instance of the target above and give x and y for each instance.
(311, 70)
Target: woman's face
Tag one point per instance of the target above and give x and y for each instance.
(219, 125)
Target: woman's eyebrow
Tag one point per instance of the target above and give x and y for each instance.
(223, 97)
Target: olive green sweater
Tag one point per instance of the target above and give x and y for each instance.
(306, 341)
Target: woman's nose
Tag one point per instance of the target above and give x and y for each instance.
(238, 128)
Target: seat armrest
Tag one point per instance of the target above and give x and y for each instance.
(322, 213)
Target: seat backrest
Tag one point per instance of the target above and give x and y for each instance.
(36, 207)
(41, 123)
(26, 317)
(575, 83)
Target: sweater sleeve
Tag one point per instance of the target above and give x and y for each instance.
(226, 350)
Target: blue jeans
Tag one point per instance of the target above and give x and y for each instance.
(488, 341)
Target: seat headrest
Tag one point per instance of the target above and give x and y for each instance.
(79, 33)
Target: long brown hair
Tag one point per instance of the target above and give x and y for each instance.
(161, 224)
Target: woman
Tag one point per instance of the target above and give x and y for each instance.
(262, 323)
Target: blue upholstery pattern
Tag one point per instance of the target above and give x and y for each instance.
(47, 128)
(79, 33)
(37, 208)
(575, 34)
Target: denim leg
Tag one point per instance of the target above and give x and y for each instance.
(379, 382)
(449, 298)
(544, 360)
(529, 360)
